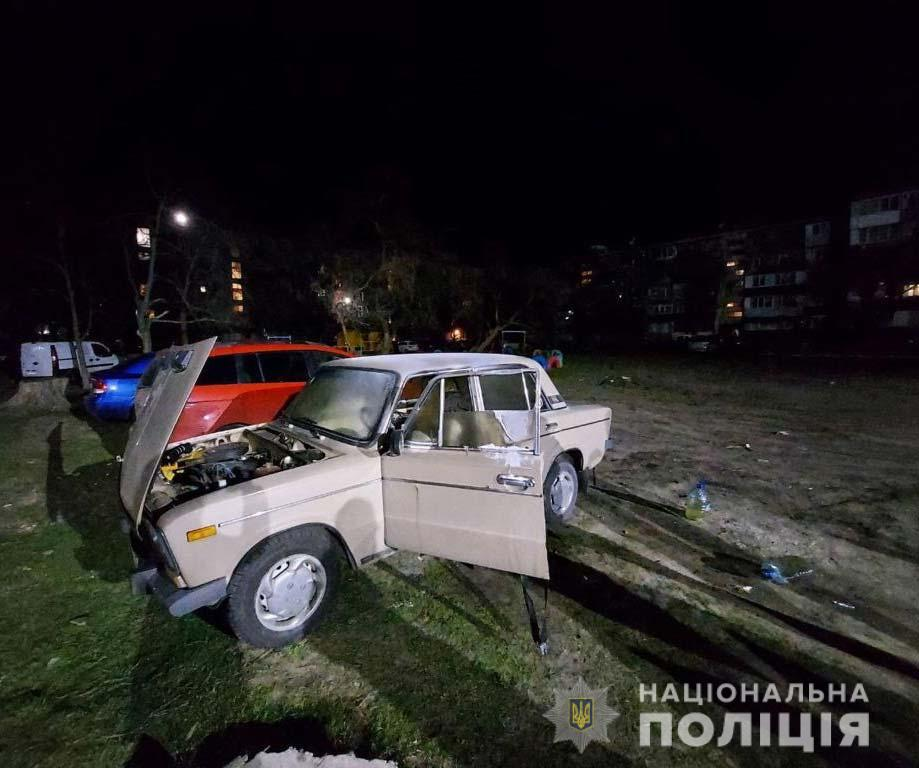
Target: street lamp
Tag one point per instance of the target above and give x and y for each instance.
(346, 300)
(180, 218)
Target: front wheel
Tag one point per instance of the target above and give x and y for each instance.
(282, 588)
(560, 490)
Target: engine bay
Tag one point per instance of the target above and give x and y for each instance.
(209, 463)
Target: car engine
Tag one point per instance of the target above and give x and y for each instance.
(208, 464)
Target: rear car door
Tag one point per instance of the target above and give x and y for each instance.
(467, 485)
(284, 372)
(98, 356)
(215, 400)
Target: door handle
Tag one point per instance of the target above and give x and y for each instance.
(517, 481)
(551, 425)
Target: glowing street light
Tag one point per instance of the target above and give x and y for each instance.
(346, 300)
(181, 218)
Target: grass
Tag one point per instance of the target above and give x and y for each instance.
(421, 661)
(87, 669)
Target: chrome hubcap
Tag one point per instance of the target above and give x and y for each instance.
(561, 493)
(290, 592)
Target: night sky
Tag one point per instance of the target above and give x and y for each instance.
(540, 127)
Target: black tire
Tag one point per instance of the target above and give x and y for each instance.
(564, 467)
(242, 590)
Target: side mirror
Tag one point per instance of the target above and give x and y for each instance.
(396, 441)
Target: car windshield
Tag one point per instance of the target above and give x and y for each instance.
(346, 401)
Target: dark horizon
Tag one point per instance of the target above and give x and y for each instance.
(655, 122)
(535, 134)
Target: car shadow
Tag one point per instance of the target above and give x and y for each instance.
(417, 582)
(474, 715)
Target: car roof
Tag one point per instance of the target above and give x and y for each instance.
(267, 346)
(427, 362)
(133, 367)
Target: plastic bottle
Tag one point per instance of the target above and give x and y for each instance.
(697, 502)
(781, 570)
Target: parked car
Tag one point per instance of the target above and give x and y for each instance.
(246, 384)
(702, 342)
(50, 358)
(113, 391)
(459, 456)
(407, 345)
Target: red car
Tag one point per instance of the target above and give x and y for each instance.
(248, 384)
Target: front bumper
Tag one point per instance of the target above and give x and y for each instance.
(151, 557)
(148, 580)
(609, 444)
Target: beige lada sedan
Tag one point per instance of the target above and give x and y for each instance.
(459, 456)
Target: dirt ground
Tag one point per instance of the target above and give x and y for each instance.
(818, 469)
(430, 663)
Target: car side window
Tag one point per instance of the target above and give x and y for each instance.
(247, 369)
(218, 370)
(448, 418)
(409, 396)
(510, 399)
(505, 393)
(100, 350)
(284, 366)
(315, 358)
(445, 415)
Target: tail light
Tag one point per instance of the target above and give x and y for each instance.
(99, 386)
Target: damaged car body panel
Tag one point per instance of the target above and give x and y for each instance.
(339, 490)
(445, 455)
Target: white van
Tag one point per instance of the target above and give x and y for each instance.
(50, 358)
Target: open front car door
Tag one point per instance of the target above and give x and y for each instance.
(467, 481)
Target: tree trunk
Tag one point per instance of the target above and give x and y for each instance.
(386, 336)
(143, 330)
(80, 356)
(76, 345)
(344, 332)
(490, 337)
(40, 394)
(183, 325)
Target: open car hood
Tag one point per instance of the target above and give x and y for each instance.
(158, 411)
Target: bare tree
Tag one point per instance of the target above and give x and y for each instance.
(64, 266)
(184, 282)
(196, 277)
(143, 292)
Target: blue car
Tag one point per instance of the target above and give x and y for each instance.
(112, 398)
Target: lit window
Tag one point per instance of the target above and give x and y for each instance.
(910, 290)
(236, 270)
(731, 264)
(143, 236)
(237, 294)
(239, 309)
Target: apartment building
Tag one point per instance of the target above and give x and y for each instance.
(781, 283)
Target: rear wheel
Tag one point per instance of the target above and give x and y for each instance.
(560, 490)
(282, 588)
